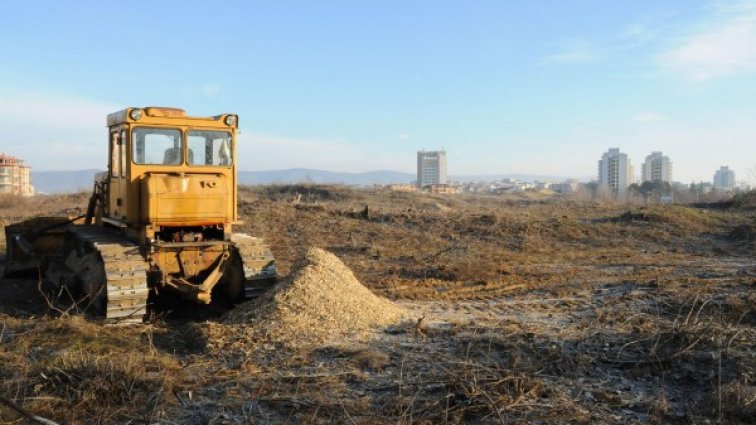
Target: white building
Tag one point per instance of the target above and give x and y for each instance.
(615, 172)
(566, 187)
(431, 167)
(657, 168)
(14, 176)
(724, 179)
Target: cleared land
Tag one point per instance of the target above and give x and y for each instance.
(517, 309)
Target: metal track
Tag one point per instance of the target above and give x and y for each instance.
(124, 269)
(259, 264)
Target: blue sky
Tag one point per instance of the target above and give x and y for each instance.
(541, 87)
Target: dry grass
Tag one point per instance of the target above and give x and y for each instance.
(79, 372)
(522, 310)
(745, 200)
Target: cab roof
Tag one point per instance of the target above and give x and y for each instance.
(167, 115)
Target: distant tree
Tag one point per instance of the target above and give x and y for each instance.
(634, 193)
(700, 193)
(603, 192)
(592, 188)
(653, 190)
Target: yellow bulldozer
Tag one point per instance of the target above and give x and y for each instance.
(160, 219)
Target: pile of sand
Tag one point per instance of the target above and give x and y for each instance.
(320, 302)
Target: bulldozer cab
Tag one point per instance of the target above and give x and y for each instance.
(169, 171)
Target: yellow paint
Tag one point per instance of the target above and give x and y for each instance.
(184, 200)
(145, 196)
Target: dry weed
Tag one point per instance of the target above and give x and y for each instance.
(534, 310)
(81, 373)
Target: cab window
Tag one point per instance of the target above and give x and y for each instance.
(156, 146)
(208, 147)
(123, 153)
(115, 154)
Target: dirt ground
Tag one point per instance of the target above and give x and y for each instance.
(520, 309)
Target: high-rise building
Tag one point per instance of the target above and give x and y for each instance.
(657, 168)
(431, 167)
(615, 172)
(14, 176)
(724, 179)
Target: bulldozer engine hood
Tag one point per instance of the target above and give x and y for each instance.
(184, 199)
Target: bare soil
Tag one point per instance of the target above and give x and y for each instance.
(515, 309)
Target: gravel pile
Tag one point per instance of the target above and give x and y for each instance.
(320, 302)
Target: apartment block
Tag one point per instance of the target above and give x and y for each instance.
(615, 171)
(724, 179)
(431, 168)
(14, 176)
(656, 168)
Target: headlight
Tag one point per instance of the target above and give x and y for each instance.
(136, 114)
(230, 120)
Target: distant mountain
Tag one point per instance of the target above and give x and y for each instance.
(521, 177)
(301, 175)
(63, 181)
(73, 181)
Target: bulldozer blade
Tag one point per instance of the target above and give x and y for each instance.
(29, 243)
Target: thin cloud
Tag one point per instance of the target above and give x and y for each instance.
(632, 37)
(54, 132)
(266, 152)
(640, 33)
(211, 90)
(649, 117)
(722, 48)
(572, 52)
(59, 132)
(53, 111)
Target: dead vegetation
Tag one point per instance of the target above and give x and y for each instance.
(745, 200)
(517, 311)
(79, 372)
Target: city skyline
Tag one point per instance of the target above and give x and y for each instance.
(353, 87)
